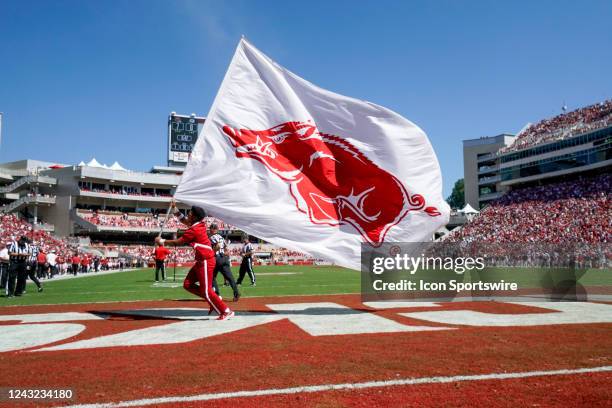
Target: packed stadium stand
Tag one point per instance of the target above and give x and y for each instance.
(551, 183)
(578, 210)
(564, 126)
(572, 144)
(12, 227)
(140, 221)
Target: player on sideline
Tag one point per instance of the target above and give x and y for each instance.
(199, 279)
(246, 266)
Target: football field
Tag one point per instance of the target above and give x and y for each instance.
(139, 285)
(301, 337)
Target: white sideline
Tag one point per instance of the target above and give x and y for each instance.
(336, 387)
(69, 275)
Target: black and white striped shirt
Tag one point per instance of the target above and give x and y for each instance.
(218, 239)
(34, 251)
(246, 248)
(14, 248)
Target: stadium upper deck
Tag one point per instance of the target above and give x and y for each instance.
(565, 145)
(106, 203)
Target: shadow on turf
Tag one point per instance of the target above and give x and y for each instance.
(197, 314)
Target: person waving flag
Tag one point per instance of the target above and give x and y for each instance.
(199, 278)
(309, 169)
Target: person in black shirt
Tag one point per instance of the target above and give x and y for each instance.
(222, 261)
(31, 268)
(19, 252)
(4, 268)
(247, 261)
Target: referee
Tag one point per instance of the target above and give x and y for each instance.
(31, 269)
(246, 266)
(19, 252)
(222, 261)
(4, 267)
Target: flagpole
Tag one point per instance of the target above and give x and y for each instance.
(165, 220)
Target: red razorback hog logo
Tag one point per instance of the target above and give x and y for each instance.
(329, 178)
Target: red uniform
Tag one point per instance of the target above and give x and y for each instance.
(199, 279)
(161, 253)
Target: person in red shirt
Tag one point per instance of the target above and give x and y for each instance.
(60, 264)
(76, 261)
(160, 254)
(84, 263)
(41, 260)
(199, 279)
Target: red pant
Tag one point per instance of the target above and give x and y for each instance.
(199, 282)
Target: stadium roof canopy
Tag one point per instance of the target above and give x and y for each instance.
(94, 163)
(117, 166)
(468, 209)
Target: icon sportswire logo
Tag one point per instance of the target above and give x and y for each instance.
(330, 179)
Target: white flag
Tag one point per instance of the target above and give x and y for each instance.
(309, 169)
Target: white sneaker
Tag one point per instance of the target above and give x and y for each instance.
(226, 315)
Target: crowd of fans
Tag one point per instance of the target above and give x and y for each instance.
(55, 256)
(13, 227)
(577, 211)
(128, 191)
(127, 220)
(144, 253)
(141, 220)
(564, 126)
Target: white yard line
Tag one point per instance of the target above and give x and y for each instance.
(173, 300)
(86, 275)
(339, 387)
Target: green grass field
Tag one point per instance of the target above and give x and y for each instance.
(139, 285)
(271, 281)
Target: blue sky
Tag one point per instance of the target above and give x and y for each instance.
(98, 78)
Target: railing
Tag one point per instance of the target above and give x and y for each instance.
(490, 196)
(44, 227)
(121, 196)
(486, 156)
(32, 179)
(488, 169)
(26, 200)
(491, 179)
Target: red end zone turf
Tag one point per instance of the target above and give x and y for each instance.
(278, 343)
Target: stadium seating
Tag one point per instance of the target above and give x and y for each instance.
(12, 227)
(576, 211)
(185, 254)
(123, 191)
(564, 126)
(140, 220)
(126, 220)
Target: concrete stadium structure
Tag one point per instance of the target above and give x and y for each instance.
(492, 168)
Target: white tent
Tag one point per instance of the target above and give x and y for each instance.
(94, 163)
(468, 209)
(81, 164)
(117, 166)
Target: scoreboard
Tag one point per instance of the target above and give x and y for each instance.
(183, 133)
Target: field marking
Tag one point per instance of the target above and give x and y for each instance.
(345, 386)
(3, 307)
(279, 273)
(90, 274)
